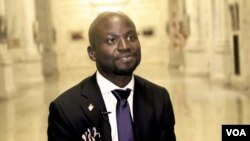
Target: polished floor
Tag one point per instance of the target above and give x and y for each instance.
(201, 106)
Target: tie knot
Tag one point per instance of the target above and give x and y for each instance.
(121, 94)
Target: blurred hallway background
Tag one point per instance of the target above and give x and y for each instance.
(197, 49)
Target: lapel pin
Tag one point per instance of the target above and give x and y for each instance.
(91, 107)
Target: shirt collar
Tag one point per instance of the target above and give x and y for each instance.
(107, 86)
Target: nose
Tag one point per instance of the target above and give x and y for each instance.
(123, 44)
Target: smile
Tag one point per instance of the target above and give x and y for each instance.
(126, 58)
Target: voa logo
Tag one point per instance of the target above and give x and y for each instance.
(236, 132)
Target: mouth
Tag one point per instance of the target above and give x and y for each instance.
(126, 59)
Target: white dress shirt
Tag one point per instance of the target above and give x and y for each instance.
(110, 101)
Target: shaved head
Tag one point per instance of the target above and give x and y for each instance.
(103, 20)
(114, 45)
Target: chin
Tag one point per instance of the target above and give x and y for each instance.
(126, 70)
(124, 73)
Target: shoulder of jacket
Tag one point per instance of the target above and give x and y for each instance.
(147, 83)
(73, 92)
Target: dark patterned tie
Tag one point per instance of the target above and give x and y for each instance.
(123, 115)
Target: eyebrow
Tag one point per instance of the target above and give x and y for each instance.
(132, 31)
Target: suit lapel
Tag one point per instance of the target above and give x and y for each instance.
(143, 110)
(93, 106)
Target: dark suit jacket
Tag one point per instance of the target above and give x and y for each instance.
(70, 115)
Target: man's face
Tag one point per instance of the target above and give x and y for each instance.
(117, 48)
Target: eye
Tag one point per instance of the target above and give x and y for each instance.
(111, 40)
(132, 37)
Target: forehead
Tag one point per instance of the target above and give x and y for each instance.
(110, 23)
(115, 23)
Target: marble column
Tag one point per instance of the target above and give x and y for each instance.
(177, 40)
(195, 55)
(220, 63)
(8, 120)
(204, 31)
(45, 37)
(205, 27)
(7, 86)
(21, 39)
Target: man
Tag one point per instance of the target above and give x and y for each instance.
(89, 110)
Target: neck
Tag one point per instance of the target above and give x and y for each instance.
(119, 80)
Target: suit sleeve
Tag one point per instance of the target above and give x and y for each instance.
(167, 120)
(58, 127)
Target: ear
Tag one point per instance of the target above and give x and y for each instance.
(91, 52)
